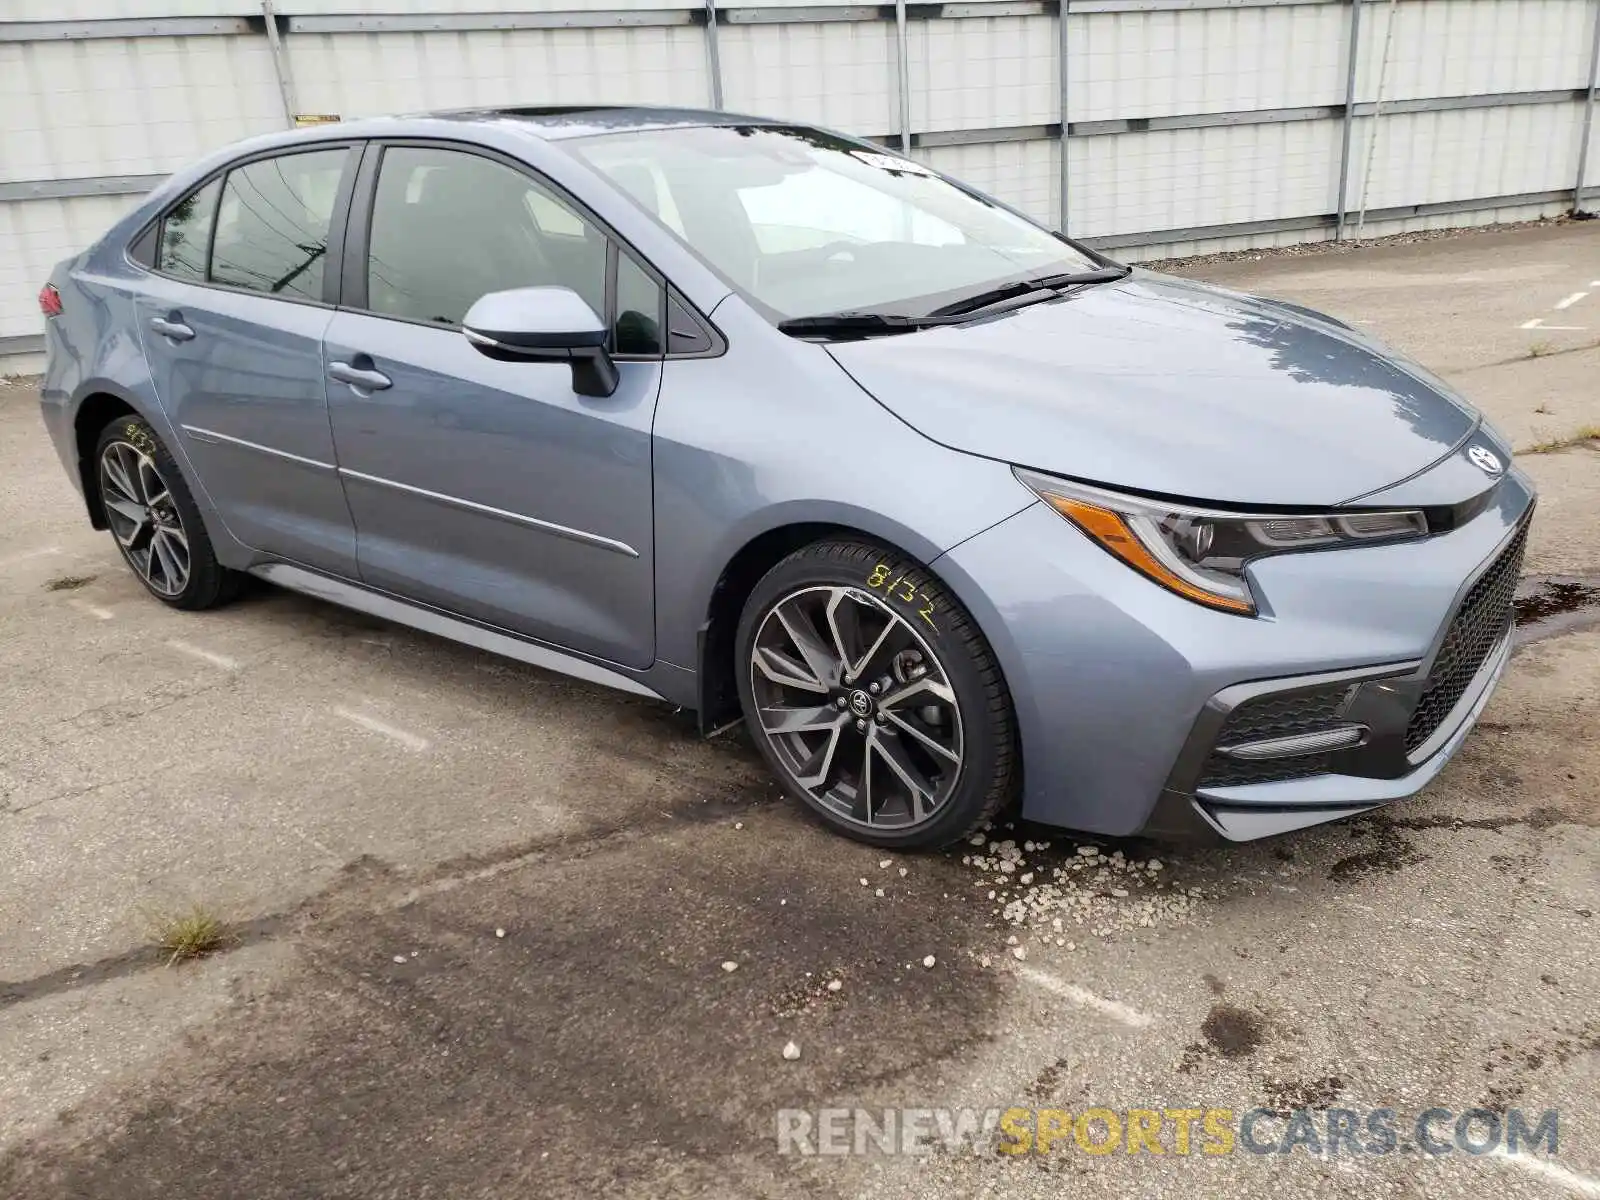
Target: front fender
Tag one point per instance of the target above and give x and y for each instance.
(775, 434)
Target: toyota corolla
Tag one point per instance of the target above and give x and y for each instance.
(775, 424)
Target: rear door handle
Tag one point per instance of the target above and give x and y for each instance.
(356, 377)
(172, 327)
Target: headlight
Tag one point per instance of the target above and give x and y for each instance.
(1201, 553)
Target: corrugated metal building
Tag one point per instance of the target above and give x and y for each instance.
(1187, 125)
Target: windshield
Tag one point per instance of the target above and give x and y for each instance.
(804, 222)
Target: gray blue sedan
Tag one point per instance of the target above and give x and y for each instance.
(777, 425)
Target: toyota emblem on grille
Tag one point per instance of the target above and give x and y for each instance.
(1485, 459)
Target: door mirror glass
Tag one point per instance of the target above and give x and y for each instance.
(544, 324)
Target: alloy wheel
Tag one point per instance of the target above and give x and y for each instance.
(857, 707)
(143, 518)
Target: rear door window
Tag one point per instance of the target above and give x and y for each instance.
(185, 230)
(273, 222)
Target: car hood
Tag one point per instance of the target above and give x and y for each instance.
(1161, 385)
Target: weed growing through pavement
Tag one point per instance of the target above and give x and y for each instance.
(192, 934)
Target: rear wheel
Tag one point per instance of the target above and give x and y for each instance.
(874, 697)
(154, 519)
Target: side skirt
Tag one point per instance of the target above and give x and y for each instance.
(431, 620)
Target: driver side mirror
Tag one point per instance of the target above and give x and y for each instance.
(544, 324)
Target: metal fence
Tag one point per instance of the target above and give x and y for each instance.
(1150, 127)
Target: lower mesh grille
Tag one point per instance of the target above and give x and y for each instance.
(1479, 624)
(1272, 716)
(1224, 772)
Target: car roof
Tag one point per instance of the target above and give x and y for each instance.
(560, 122)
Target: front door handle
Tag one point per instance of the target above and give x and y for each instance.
(172, 326)
(367, 380)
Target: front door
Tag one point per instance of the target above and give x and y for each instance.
(232, 329)
(492, 489)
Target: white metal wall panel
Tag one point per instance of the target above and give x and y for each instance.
(434, 7)
(1373, 229)
(1189, 249)
(1474, 47)
(140, 107)
(104, 10)
(372, 73)
(1130, 182)
(34, 237)
(91, 10)
(1145, 64)
(988, 72)
(842, 74)
(1430, 157)
(1591, 164)
(1025, 175)
(73, 110)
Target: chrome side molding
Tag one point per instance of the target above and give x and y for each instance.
(430, 620)
(550, 527)
(212, 437)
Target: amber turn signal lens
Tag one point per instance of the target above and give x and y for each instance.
(1110, 529)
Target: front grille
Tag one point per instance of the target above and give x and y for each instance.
(1479, 624)
(1271, 716)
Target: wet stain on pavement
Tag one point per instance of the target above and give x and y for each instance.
(1286, 1095)
(1047, 1083)
(1389, 852)
(1512, 1068)
(1233, 1032)
(1549, 605)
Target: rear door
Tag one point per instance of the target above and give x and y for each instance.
(491, 489)
(232, 322)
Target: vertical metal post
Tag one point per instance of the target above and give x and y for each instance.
(280, 63)
(713, 54)
(1065, 124)
(1588, 114)
(904, 53)
(1349, 117)
(1390, 13)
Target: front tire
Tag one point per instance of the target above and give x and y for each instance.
(874, 697)
(154, 519)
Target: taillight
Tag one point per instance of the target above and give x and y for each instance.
(50, 300)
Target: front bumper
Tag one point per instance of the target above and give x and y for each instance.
(1142, 713)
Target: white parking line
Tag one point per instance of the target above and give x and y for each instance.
(1538, 323)
(94, 610)
(41, 552)
(216, 660)
(1578, 1185)
(1571, 300)
(1114, 1009)
(405, 737)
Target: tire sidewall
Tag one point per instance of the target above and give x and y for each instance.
(206, 575)
(855, 564)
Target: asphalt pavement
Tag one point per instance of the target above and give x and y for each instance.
(496, 933)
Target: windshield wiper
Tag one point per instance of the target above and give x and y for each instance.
(855, 324)
(1025, 287)
(852, 324)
